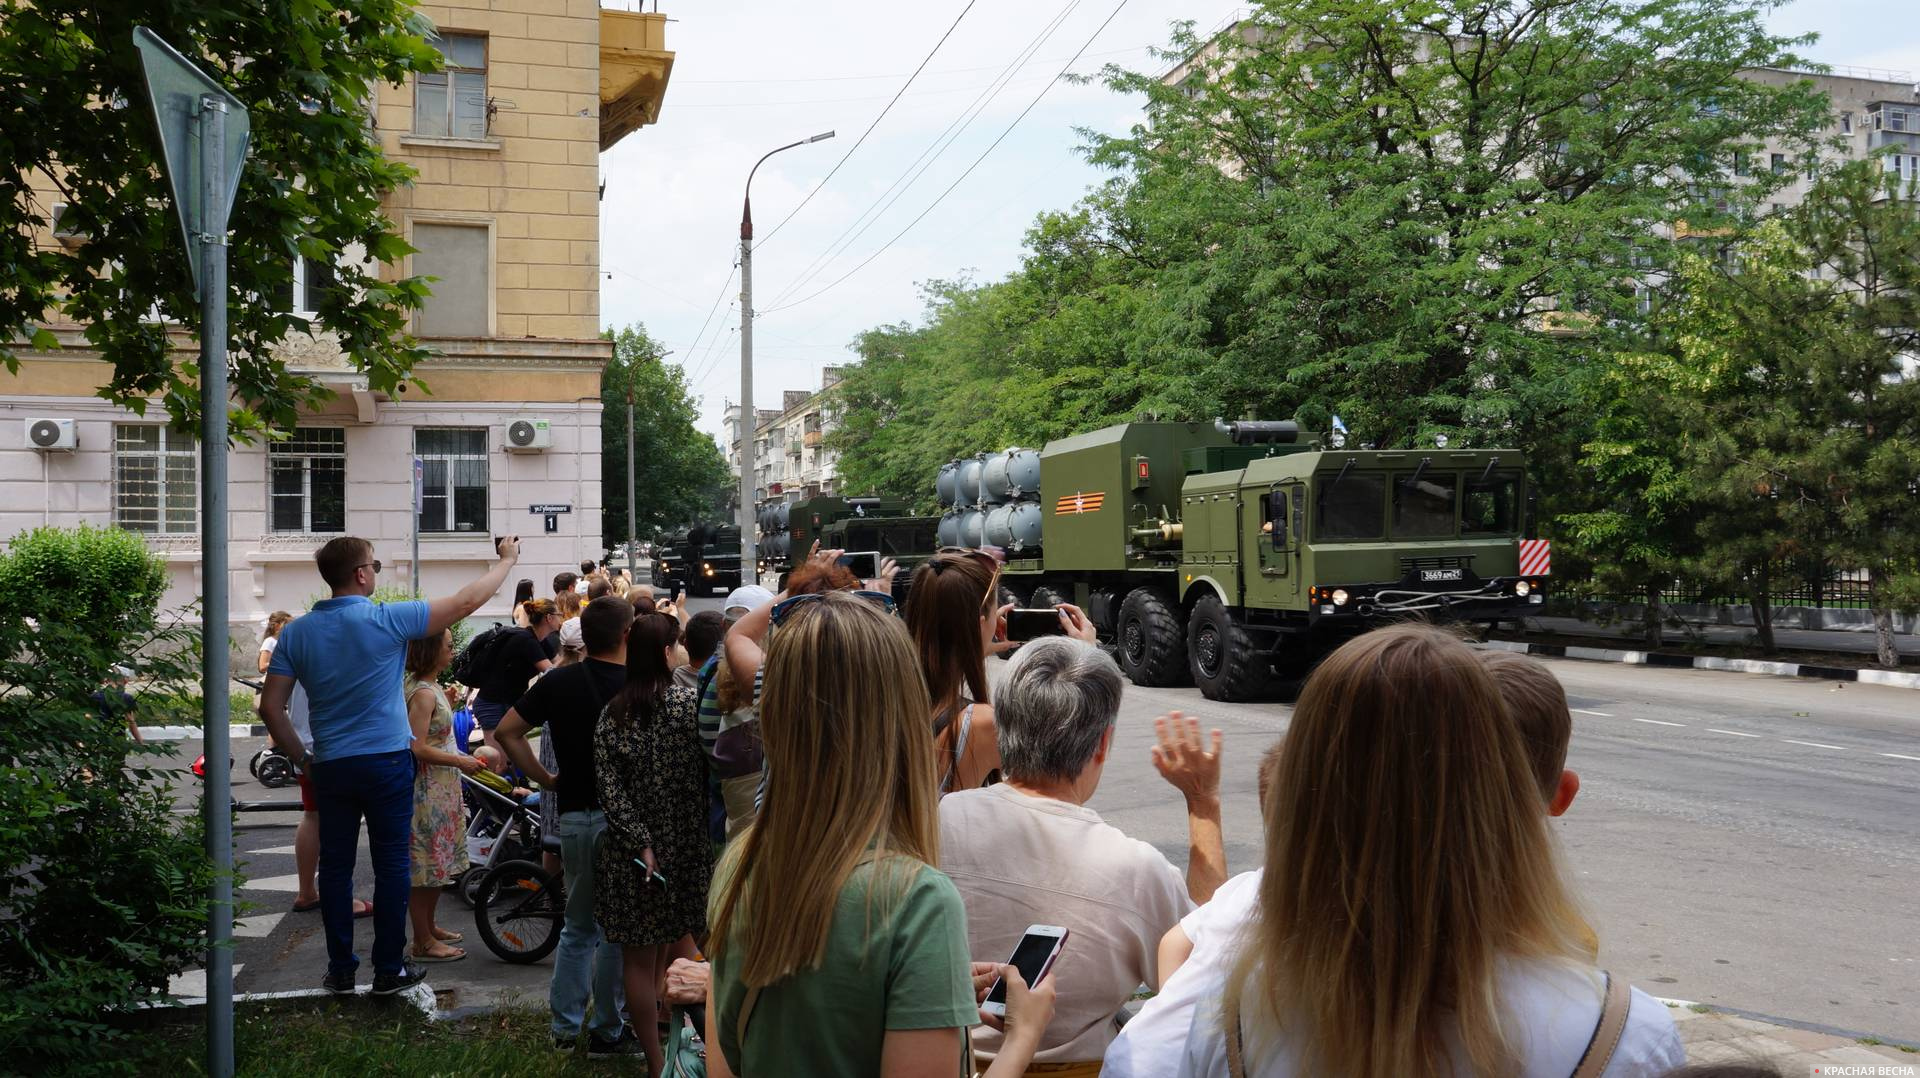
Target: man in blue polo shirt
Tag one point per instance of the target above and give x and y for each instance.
(349, 653)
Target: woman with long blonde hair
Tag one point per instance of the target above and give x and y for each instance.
(1414, 919)
(838, 946)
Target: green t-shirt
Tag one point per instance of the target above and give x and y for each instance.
(910, 971)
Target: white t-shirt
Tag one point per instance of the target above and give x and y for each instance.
(1021, 860)
(297, 714)
(1551, 1009)
(1151, 1044)
(267, 646)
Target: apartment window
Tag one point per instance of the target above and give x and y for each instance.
(457, 257)
(1896, 119)
(454, 465)
(1779, 163)
(453, 103)
(156, 480)
(310, 281)
(307, 481)
(1742, 165)
(1846, 123)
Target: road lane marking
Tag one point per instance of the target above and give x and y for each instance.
(1735, 733)
(1657, 722)
(1814, 744)
(1897, 756)
(1584, 711)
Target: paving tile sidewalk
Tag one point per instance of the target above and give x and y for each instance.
(1713, 1036)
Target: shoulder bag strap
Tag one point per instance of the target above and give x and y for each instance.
(1236, 1051)
(753, 994)
(1606, 1033)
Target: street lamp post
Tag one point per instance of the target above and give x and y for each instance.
(631, 538)
(749, 554)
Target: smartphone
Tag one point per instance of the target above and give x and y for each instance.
(1032, 624)
(1033, 957)
(865, 564)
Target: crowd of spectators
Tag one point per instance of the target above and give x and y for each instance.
(813, 815)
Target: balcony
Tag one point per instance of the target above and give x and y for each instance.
(793, 449)
(812, 439)
(634, 68)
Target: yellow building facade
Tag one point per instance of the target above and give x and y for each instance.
(505, 213)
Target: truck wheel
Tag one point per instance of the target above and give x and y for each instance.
(1015, 594)
(1152, 641)
(1044, 596)
(1221, 654)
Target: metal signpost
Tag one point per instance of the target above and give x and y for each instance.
(419, 506)
(203, 136)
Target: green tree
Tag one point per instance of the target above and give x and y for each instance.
(1799, 408)
(76, 118)
(679, 474)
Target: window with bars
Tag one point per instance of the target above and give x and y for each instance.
(453, 103)
(307, 482)
(454, 472)
(156, 480)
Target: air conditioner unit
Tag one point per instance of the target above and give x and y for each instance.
(63, 228)
(527, 435)
(51, 434)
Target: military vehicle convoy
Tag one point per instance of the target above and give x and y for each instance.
(886, 525)
(1229, 553)
(699, 557)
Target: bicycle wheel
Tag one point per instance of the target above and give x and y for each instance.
(517, 910)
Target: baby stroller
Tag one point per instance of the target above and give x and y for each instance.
(500, 828)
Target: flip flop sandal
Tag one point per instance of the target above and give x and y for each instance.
(450, 937)
(456, 956)
(358, 914)
(308, 907)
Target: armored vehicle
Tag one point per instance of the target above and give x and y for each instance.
(1229, 553)
(788, 530)
(699, 558)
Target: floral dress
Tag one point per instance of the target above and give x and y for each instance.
(652, 776)
(439, 846)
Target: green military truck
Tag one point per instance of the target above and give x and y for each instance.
(699, 558)
(1229, 553)
(862, 523)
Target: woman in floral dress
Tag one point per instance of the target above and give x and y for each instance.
(652, 777)
(439, 847)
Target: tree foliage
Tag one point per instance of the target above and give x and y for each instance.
(76, 116)
(104, 884)
(679, 474)
(1425, 217)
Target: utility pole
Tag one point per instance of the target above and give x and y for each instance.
(630, 471)
(749, 554)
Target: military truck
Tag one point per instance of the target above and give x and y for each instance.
(699, 558)
(1229, 553)
(867, 522)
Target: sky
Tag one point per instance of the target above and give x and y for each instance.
(751, 75)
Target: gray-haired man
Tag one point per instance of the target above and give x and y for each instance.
(1029, 851)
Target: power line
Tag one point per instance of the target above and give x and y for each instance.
(956, 183)
(876, 78)
(915, 169)
(876, 123)
(722, 294)
(789, 102)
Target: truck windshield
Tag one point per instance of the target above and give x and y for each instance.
(1352, 508)
(1492, 507)
(1423, 508)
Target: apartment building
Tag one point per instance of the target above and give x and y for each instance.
(791, 457)
(505, 212)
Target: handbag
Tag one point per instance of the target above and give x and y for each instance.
(686, 1052)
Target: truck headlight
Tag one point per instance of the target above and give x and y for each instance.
(1340, 596)
(1522, 589)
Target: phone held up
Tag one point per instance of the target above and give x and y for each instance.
(1033, 957)
(864, 564)
(1032, 624)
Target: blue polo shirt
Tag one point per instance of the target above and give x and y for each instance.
(350, 654)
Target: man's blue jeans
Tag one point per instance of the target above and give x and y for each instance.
(584, 959)
(378, 786)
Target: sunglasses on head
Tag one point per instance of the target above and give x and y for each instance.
(990, 556)
(793, 602)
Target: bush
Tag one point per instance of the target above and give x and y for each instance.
(104, 885)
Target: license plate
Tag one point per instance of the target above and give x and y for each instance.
(1435, 576)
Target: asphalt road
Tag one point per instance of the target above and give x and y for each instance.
(1745, 841)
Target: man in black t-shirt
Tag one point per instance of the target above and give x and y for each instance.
(568, 702)
(511, 662)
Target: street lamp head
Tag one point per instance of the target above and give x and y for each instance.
(821, 137)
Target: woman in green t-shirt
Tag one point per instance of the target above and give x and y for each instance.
(838, 947)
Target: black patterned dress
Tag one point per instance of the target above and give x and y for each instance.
(652, 776)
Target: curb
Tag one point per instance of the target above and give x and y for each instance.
(1893, 678)
(192, 733)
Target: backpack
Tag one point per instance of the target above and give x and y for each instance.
(475, 661)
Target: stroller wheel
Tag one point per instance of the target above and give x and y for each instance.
(253, 765)
(468, 885)
(275, 771)
(518, 912)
